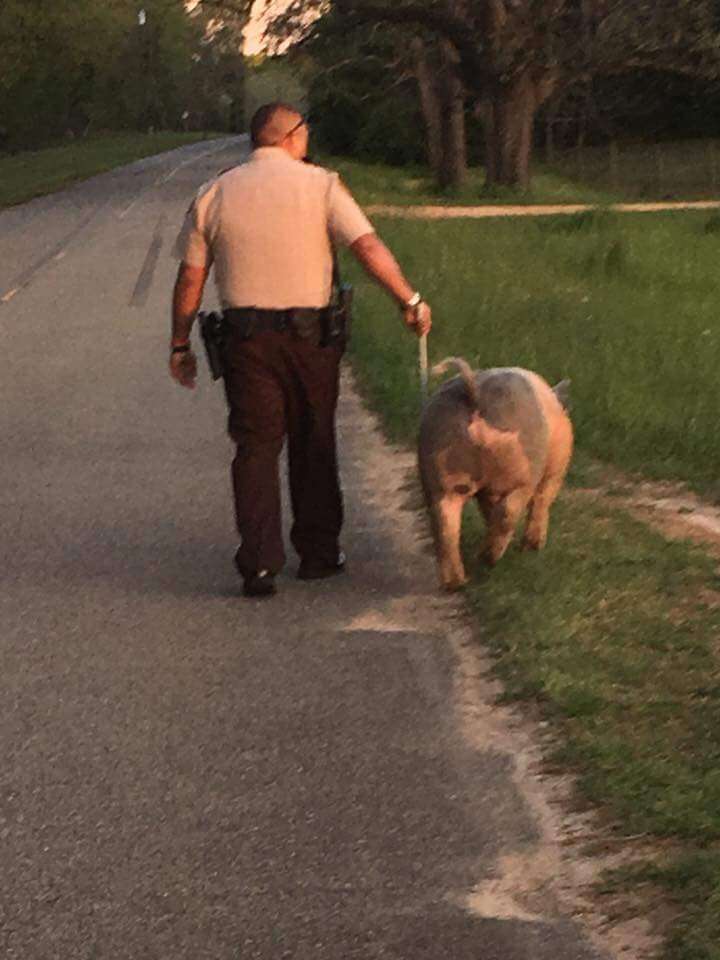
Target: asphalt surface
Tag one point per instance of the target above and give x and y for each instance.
(185, 773)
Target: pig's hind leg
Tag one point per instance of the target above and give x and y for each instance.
(547, 490)
(446, 516)
(535, 536)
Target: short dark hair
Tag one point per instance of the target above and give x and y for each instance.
(264, 116)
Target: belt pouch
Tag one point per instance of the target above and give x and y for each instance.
(243, 323)
(307, 325)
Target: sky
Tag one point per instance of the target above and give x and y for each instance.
(262, 12)
(253, 31)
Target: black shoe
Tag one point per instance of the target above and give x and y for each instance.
(319, 569)
(259, 585)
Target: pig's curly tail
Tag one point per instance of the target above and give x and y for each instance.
(466, 375)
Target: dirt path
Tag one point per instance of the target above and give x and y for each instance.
(668, 506)
(548, 210)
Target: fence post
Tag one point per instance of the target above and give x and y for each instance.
(660, 168)
(712, 157)
(614, 156)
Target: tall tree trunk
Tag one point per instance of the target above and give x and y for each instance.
(430, 105)
(508, 120)
(442, 98)
(453, 170)
(550, 122)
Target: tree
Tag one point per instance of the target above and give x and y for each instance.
(66, 68)
(50, 58)
(360, 92)
(221, 59)
(145, 85)
(442, 98)
(512, 55)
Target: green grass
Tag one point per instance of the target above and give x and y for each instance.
(408, 186)
(608, 634)
(625, 306)
(35, 173)
(613, 632)
(682, 170)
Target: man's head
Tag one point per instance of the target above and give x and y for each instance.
(280, 125)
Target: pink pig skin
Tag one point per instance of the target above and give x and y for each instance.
(503, 437)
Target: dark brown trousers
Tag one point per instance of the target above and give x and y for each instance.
(281, 386)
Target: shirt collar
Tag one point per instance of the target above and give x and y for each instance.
(271, 153)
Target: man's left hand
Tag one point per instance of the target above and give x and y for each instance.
(183, 369)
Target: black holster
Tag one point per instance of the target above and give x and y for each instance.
(213, 331)
(338, 317)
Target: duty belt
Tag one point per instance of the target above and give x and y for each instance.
(251, 320)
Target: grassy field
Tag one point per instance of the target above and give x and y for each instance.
(683, 170)
(625, 306)
(35, 173)
(613, 632)
(407, 186)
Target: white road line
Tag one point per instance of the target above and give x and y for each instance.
(60, 255)
(58, 252)
(166, 177)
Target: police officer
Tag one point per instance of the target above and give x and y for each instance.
(268, 227)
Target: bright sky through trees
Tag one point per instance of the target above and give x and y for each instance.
(261, 14)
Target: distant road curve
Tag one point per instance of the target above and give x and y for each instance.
(478, 213)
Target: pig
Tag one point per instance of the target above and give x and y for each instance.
(502, 436)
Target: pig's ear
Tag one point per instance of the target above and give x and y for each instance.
(562, 392)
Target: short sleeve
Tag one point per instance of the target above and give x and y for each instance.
(192, 245)
(346, 221)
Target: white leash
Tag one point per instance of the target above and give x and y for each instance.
(423, 365)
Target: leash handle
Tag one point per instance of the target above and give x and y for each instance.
(423, 366)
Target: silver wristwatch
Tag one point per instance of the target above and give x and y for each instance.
(414, 301)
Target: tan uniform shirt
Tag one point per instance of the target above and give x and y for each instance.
(267, 227)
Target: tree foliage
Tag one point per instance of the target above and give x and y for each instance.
(512, 55)
(67, 68)
(361, 94)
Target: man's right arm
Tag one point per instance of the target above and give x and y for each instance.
(382, 266)
(187, 297)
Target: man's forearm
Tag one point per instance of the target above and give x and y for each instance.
(382, 266)
(187, 297)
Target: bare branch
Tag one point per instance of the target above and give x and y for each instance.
(473, 64)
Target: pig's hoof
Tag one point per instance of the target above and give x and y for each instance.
(452, 586)
(530, 544)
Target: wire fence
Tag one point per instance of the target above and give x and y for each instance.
(685, 170)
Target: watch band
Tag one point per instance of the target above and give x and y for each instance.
(414, 301)
(181, 348)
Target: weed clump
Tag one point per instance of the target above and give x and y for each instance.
(712, 224)
(586, 221)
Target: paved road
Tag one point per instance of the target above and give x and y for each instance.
(187, 774)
